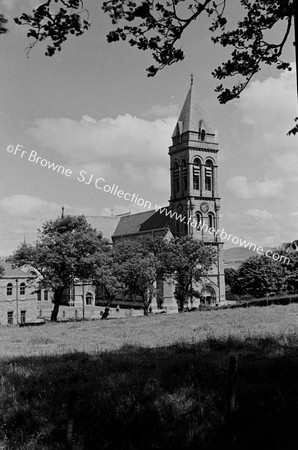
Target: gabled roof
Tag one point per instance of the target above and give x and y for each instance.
(10, 272)
(104, 224)
(142, 222)
(191, 117)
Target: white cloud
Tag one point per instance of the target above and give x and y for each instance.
(242, 188)
(88, 140)
(20, 205)
(269, 108)
(127, 151)
(162, 110)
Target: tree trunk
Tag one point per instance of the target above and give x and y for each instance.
(57, 300)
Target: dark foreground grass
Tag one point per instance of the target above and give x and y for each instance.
(165, 398)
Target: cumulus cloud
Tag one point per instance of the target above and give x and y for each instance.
(258, 226)
(20, 205)
(88, 140)
(242, 188)
(127, 151)
(162, 110)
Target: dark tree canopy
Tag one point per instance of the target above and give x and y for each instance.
(158, 27)
(66, 249)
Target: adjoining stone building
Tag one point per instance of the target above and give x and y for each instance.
(18, 300)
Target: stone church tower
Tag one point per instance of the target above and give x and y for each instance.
(194, 188)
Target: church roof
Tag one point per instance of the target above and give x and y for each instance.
(141, 222)
(104, 224)
(191, 116)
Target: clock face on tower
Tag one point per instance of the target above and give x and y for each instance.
(204, 207)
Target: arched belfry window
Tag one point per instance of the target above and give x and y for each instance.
(203, 135)
(209, 175)
(197, 174)
(176, 177)
(199, 219)
(211, 222)
(184, 174)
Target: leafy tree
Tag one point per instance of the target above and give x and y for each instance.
(3, 23)
(108, 273)
(291, 269)
(186, 261)
(66, 248)
(260, 276)
(230, 276)
(159, 26)
(138, 269)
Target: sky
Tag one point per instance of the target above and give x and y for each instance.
(92, 108)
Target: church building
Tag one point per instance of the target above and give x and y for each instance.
(193, 210)
(194, 198)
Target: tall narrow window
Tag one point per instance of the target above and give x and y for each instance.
(9, 317)
(22, 289)
(184, 174)
(197, 174)
(211, 222)
(199, 219)
(209, 176)
(176, 178)
(38, 295)
(89, 299)
(23, 316)
(9, 289)
(46, 295)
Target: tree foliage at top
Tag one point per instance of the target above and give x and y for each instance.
(187, 261)
(3, 23)
(259, 276)
(158, 27)
(66, 249)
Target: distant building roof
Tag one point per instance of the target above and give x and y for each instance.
(10, 272)
(104, 224)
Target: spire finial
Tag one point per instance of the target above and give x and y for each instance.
(191, 78)
(62, 213)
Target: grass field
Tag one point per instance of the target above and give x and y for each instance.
(156, 383)
(152, 331)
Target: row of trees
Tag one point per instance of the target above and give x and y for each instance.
(69, 248)
(260, 276)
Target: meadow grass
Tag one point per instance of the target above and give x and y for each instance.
(152, 331)
(152, 383)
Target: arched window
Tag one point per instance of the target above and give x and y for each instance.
(209, 175)
(199, 219)
(46, 295)
(184, 174)
(203, 135)
(9, 289)
(176, 178)
(208, 296)
(197, 174)
(22, 289)
(211, 221)
(88, 299)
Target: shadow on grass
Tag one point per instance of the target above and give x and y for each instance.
(164, 398)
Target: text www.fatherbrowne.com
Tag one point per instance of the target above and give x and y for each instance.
(134, 198)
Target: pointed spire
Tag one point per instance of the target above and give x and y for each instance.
(191, 116)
